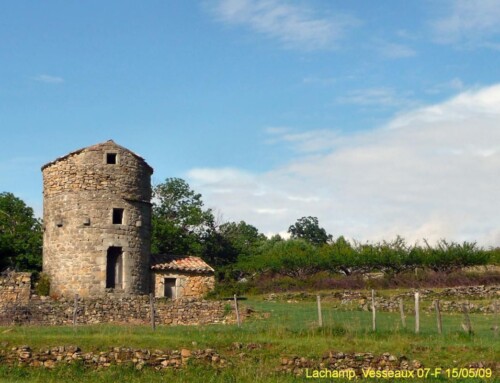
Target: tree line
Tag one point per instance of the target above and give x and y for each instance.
(181, 224)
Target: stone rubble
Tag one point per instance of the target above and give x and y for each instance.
(335, 360)
(139, 358)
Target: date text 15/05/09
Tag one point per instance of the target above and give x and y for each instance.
(422, 373)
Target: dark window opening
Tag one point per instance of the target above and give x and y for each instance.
(169, 288)
(111, 158)
(114, 268)
(117, 216)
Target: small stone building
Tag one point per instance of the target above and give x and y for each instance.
(181, 276)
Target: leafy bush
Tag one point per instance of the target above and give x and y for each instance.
(294, 258)
(228, 289)
(42, 287)
(269, 283)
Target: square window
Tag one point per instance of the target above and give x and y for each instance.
(111, 158)
(117, 216)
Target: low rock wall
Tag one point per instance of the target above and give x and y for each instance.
(479, 299)
(15, 287)
(158, 359)
(19, 306)
(131, 310)
(355, 362)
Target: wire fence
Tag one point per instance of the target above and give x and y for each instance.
(152, 311)
(415, 315)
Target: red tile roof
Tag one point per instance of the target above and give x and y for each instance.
(179, 262)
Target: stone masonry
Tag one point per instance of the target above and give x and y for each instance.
(134, 309)
(187, 284)
(97, 222)
(15, 288)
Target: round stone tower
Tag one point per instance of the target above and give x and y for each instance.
(97, 221)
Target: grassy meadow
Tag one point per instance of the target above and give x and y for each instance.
(278, 329)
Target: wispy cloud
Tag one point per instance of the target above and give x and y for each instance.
(304, 142)
(454, 84)
(469, 22)
(385, 97)
(430, 173)
(394, 50)
(294, 26)
(318, 80)
(49, 79)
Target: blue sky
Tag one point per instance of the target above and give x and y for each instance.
(380, 118)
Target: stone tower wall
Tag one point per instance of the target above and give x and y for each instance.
(80, 192)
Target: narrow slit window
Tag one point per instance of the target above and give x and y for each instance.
(111, 158)
(117, 216)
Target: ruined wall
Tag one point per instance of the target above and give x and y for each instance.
(15, 287)
(80, 192)
(187, 284)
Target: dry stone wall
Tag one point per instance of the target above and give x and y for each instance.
(139, 358)
(15, 287)
(113, 309)
(355, 362)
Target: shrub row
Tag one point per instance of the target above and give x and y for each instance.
(298, 258)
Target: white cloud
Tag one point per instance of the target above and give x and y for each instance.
(48, 79)
(293, 25)
(469, 22)
(430, 173)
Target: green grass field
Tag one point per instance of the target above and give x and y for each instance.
(290, 329)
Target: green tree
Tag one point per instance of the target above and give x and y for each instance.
(308, 229)
(231, 240)
(180, 222)
(339, 255)
(20, 235)
(294, 258)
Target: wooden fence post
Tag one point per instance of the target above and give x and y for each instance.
(374, 315)
(417, 313)
(468, 325)
(495, 318)
(75, 310)
(152, 310)
(402, 312)
(237, 311)
(438, 317)
(320, 315)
